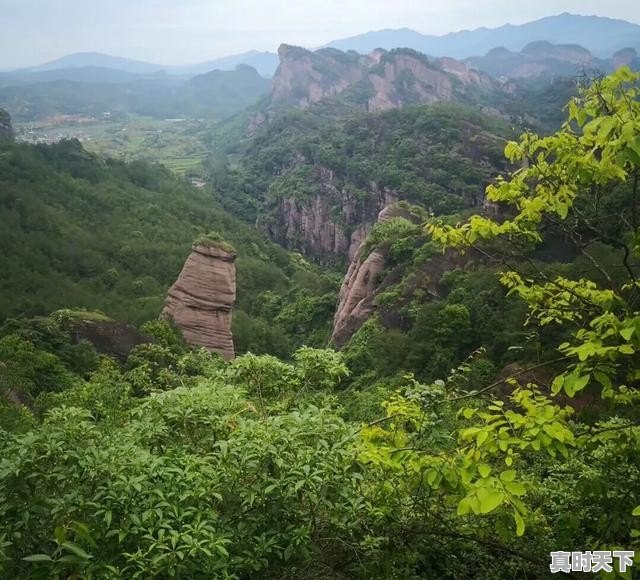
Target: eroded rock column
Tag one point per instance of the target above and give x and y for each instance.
(201, 300)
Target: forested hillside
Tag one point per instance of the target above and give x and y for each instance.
(317, 182)
(93, 91)
(78, 231)
(484, 414)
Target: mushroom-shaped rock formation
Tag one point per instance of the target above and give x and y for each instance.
(201, 300)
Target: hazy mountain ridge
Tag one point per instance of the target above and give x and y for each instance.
(216, 94)
(96, 59)
(542, 58)
(263, 61)
(87, 74)
(601, 36)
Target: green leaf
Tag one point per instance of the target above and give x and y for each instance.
(508, 475)
(519, 523)
(60, 534)
(77, 550)
(627, 333)
(481, 438)
(562, 209)
(603, 379)
(38, 558)
(484, 470)
(464, 506)
(636, 511)
(468, 413)
(515, 487)
(489, 500)
(574, 383)
(556, 385)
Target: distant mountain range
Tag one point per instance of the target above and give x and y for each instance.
(363, 76)
(543, 59)
(264, 62)
(96, 59)
(82, 91)
(599, 35)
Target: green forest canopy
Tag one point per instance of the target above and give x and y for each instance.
(178, 464)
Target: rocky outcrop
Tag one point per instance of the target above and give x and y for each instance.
(626, 57)
(542, 58)
(404, 77)
(305, 77)
(373, 272)
(332, 223)
(108, 337)
(6, 130)
(379, 81)
(356, 301)
(201, 300)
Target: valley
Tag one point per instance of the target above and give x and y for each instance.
(175, 143)
(367, 310)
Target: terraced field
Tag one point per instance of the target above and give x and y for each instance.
(176, 143)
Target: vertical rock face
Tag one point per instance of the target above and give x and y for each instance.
(356, 301)
(331, 224)
(6, 130)
(392, 79)
(305, 77)
(201, 300)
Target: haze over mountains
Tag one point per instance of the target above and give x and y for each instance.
(599, 35)
(91, 83)
(264, 62)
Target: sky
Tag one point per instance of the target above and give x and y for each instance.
(187, 31)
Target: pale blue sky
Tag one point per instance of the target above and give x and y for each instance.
(185, 31)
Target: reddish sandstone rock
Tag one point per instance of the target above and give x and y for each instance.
(356, 302)
(201, 300)
(368, 276)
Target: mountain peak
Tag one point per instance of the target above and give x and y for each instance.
(377, 81)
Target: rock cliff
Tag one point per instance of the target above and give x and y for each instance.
(201, 300)
(322, 200)
(379, 81)
(374, 271)
(356, 301)
(626, 57)
(6, 130)
(330, 224)
(305, 77)
(107, 336)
